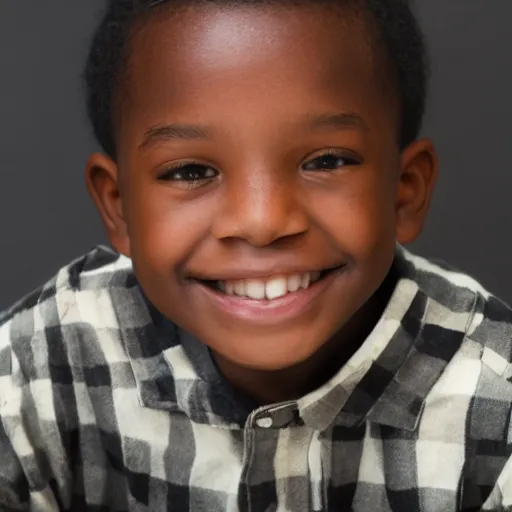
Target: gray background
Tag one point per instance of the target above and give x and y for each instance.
(46, 217)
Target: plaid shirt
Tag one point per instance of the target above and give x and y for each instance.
(105, 405)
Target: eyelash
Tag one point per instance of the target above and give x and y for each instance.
(204, 174)
(179, 172)
(348, 160)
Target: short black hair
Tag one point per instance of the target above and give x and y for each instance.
(396, 29)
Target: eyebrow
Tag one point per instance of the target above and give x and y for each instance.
(175, 132)
(333, 121)
(336, 121)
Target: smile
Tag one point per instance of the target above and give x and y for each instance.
(268, 289)
(268, 300)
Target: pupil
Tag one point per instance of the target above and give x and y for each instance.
(331, 161)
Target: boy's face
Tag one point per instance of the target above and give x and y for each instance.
(259, 144)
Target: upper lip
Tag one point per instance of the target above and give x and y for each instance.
(235, 274)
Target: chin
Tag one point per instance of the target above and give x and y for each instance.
(271, 360)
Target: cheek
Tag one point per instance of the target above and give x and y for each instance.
(163, 231)
(360, 216)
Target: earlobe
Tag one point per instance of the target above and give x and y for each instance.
(419, 171)
(102, 179)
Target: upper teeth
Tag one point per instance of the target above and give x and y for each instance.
(272, 288)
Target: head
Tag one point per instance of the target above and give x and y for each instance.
(261, 160)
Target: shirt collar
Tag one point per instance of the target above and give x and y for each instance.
(386, 381)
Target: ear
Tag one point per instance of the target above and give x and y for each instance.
(419, 170)
(103, 185)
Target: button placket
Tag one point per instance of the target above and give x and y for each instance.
(282, 416)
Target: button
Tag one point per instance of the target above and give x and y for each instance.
(264, 422)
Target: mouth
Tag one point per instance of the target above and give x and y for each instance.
(268, 301)
(271, 288)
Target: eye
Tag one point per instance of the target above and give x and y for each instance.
(189, 175)
(330, 161)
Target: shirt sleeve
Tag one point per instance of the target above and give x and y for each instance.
(13, 484)
(30, 445)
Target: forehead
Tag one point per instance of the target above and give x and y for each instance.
(280, 58)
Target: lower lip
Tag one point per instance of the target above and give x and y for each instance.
(268, 312)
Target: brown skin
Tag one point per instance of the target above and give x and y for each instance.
(254, 79)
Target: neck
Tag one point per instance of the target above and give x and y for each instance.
(270, 387)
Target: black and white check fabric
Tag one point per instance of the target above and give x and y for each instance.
(106, 406)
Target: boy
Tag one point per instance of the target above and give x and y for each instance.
(259, 340)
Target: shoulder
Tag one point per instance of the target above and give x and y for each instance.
(459, 301)
(47, 343)
(98, 270)
(463, 320)
(468, 410)
(83, 297)
(467, 327)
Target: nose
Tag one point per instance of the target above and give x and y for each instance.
(260, 210)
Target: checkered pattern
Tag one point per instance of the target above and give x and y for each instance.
(106, 406)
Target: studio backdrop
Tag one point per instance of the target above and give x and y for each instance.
(46, 218)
